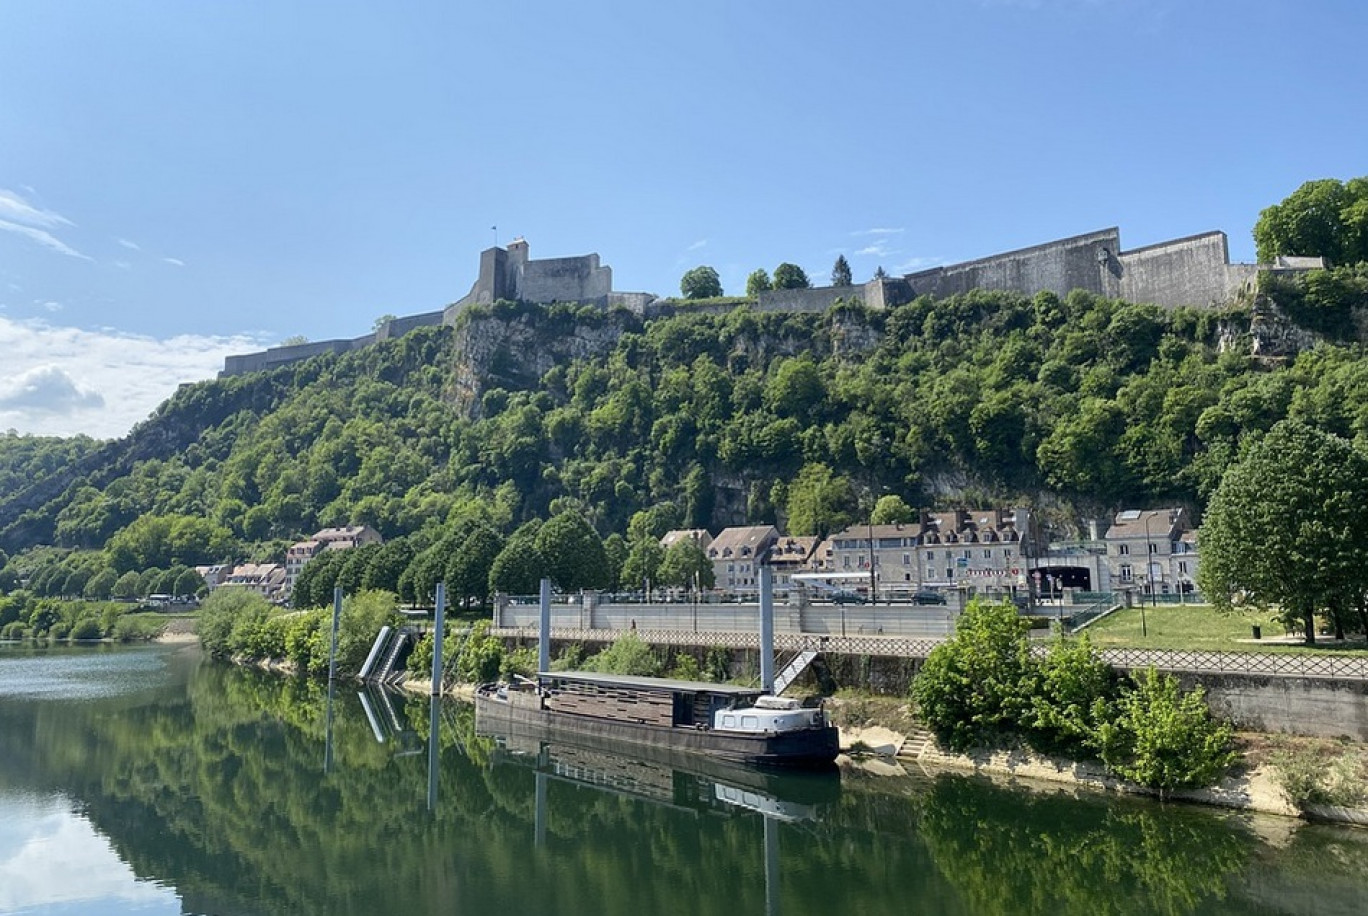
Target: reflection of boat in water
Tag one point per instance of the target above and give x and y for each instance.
(740, 724)
(661, 775)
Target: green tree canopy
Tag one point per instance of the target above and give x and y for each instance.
(758, 282)
(790, 276)
(519, 567)
(684, 563)
(700, 283)
(1326, 218)
(892, 509)
(573, 553)
(840, 272)
(1286, 527)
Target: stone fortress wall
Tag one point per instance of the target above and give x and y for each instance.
(1193, 271)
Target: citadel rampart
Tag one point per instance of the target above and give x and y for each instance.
(1193, 271)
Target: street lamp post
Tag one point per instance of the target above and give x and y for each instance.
(1149, 563)
(873, 580)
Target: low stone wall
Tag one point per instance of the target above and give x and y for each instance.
(1319, 707)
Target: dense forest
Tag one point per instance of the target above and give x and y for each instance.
(1076, 405)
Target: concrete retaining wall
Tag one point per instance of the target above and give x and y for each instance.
(1320, 707)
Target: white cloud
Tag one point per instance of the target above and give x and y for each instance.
(701, 243)
(877, 232)
(122, 264)
(177, 262)
(61, 381)
(131, 246)
(46, 390)
(14, 207)
(52, 305)
(877, 250)
(42, 237)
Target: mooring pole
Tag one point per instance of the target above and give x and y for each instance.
(438, 631)
(337, 616)
(766, 629)
(544, 628)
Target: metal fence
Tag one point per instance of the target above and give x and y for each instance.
(1274, 664)
(844, 620)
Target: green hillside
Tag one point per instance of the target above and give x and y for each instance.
(1075, 406)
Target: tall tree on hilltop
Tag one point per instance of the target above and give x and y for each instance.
(1325, 218)
(790, 276)
(758, 282)
(840, 272)
(700, 283)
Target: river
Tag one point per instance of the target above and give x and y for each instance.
(150, 780)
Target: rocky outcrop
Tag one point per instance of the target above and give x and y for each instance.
(513, 347)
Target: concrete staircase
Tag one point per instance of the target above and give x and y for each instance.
(793, 669)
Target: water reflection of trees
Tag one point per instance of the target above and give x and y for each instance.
(1009, 851)
(220, 790)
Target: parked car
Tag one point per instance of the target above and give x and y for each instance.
(846, 596)
(928, 597)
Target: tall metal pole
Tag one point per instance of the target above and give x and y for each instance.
(873, 580)
(434, 748)
(544, 628)
(337, 616)
(438, 634)
(766, 629)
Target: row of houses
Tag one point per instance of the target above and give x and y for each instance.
(980, 551)
(275, 581)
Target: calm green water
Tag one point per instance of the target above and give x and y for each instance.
(150, 781)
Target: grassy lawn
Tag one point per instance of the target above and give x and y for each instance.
(1196, 627)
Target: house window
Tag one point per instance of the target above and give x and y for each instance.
(907, 559)
(845, 561)
(949, 573)
(1126, 574)
(966, 553)
(1182, 567)
(987, 553)
(1123, 550)
(930, 555)
(1153, 548)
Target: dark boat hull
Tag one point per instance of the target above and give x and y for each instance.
(812, 747)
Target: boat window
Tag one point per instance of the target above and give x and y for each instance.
(750, 722)
(729, 721)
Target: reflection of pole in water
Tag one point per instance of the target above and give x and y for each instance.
(771, 867)
(328, 730)
(539, 834)
(434, 727)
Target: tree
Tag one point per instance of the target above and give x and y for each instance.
(976, 686)
(644, 556)
(758, 282)
(820, 501)
(101, 585)
(1165, 738)
(840, 272)
(891, 509)
(1325, 218)
(467, 567)
(126, 588)
(700, 283)
(790, 276)
(573, 553)
(1286, 527)
(685, 564)
(519, 567)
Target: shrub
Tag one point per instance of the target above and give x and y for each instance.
(629, 654)
(481, 655)
(520, 661)
(1303, 775)
(87, 628)
(1073, 694)
(1163, 737)
(220, 614)
(137, 626)
(976, 686)
(363, 615)
(15, 629)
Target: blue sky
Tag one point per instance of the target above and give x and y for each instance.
(179, 181)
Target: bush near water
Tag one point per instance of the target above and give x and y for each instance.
(985, 687)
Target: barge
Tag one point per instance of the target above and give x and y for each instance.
(739, 724)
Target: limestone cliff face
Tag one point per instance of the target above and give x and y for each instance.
(513, 348)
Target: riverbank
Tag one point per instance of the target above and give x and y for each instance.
(886, 728)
